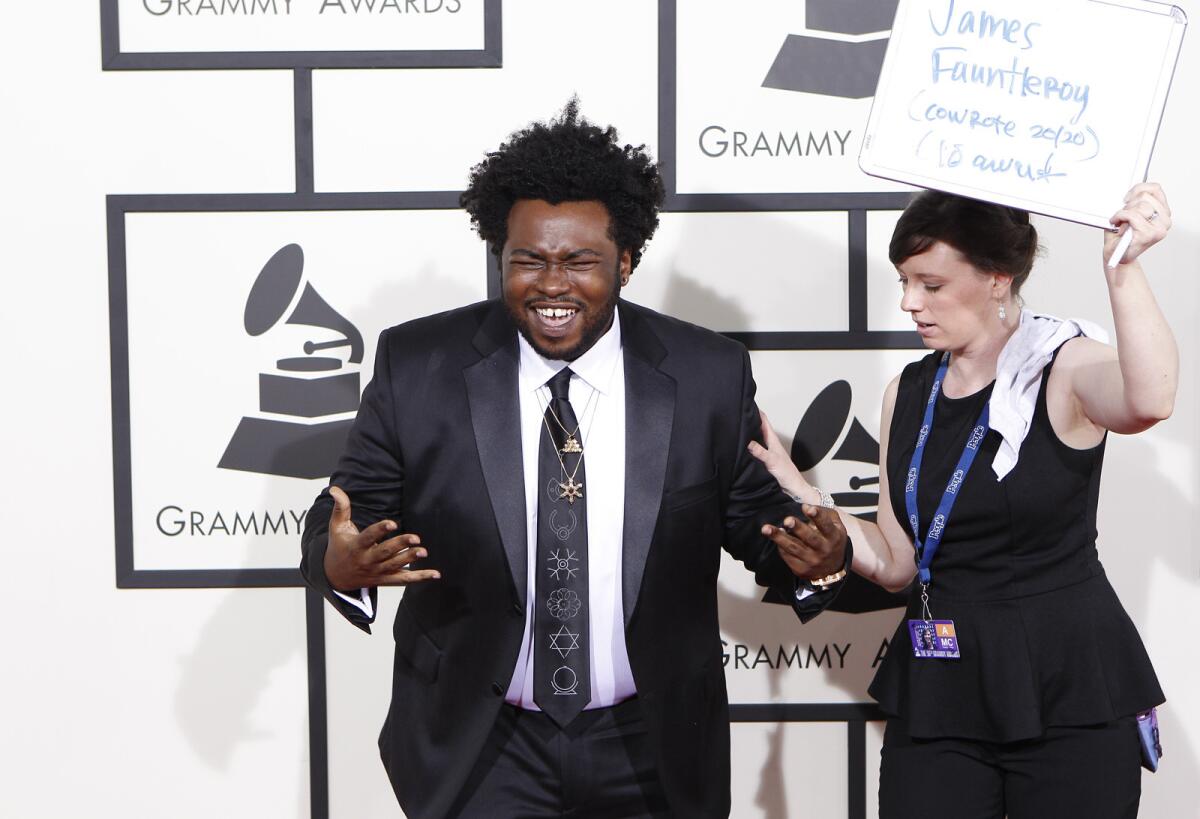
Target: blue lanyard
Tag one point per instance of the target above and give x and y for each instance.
(933, 538)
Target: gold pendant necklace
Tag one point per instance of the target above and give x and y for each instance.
(570, 490)
(571, 444)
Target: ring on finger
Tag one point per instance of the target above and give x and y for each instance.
(1152, 216)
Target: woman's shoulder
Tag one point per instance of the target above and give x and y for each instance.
(918, 373)
(907, 391)
(1081, 351)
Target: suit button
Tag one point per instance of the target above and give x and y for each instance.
(497, 689)
(518, 610)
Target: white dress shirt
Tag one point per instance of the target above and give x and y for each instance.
(597, 394)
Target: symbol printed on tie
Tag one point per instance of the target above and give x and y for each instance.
(564, 641)
(560, 561)
(564, 681)
(563, 530)
(561, 645)
(564, 604)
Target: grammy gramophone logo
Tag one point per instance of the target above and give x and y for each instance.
(822, 64)
(851, 473)
(295, 436)
(830, 439)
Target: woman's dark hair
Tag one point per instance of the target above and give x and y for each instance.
(993, 238)
(567, 160)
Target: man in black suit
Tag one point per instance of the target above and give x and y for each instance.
(554, 473)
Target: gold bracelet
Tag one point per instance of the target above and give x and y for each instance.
(828, 580)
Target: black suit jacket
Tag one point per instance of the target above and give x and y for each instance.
(437, 447)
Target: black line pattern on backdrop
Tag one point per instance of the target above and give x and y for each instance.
(306, 198)
(318, 711)
(128, 576)
(855, 204)
(302, 114)
(856, 769)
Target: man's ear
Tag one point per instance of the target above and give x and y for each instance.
(625, 268)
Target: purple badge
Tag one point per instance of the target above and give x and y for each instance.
(933, 638)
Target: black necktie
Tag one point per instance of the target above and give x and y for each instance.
(561, 667)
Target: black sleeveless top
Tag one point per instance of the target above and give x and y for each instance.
(1044, 640)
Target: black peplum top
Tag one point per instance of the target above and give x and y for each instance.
(1044, 639)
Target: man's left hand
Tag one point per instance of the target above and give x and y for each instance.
(812, 548)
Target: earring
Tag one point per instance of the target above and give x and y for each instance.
(1002, 312)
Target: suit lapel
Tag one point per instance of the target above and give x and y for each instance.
(649, 413)
(496, 419)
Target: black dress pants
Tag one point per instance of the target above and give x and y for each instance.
(1089, 771)
(600, 766)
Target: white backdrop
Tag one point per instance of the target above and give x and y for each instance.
(193, 702)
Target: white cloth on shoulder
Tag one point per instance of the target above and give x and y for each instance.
(1019, 377)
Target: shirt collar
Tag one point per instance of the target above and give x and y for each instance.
(595, 366)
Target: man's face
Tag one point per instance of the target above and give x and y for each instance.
(562, 275)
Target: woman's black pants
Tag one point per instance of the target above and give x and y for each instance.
(1088, 771)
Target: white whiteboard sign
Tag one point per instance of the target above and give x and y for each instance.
(1050, 106)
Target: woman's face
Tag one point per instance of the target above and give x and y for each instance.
(952, 302)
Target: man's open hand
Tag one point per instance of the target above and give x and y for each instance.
(373, 557)
(812, 548)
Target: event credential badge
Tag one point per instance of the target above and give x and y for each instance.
(933, 638)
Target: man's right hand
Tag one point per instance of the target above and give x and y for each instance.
(373, 557)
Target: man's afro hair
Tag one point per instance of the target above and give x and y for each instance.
(567, 160)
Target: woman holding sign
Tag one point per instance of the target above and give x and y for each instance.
(1015, 680)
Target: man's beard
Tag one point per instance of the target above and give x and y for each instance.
(594, 326)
